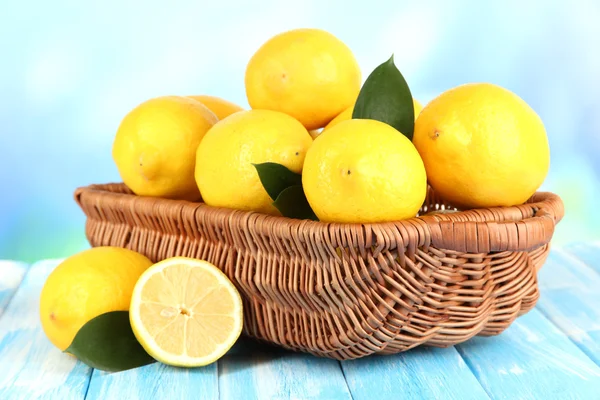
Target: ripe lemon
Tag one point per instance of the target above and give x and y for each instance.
(363, 170)
(155, 146)
(86, 285)
(482, 146)
(220, 107)
(343, 116)
(224, 170)
(417, 107)
(306, 73)
(347, 114)
(185, 312)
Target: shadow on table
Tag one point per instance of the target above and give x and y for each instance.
(249, 353)
(247, 347)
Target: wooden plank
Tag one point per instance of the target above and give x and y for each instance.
(574, 307)
(564, 270)
(253, 370)
(588, 252)
(156, 381)
(31, 366)
(532, 359)
(421, 373)
(11, 275)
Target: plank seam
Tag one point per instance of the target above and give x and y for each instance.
(12, 295)
(89, 382)
(570, 254)
(473, 370)
(579, 260)
(583, 350)
(218, 374)
(345, 379)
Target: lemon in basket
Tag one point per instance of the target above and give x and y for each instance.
(347, 114)
(307, 73)
(220, 107)
(155, 146)
(85, 285)
(364, 170)
(225, 172)
(482, 146)
(185, 312)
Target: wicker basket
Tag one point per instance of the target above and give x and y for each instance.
(342, 290)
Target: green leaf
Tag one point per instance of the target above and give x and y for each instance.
(275, 178)
(385, 97)
(108, 343)
(292, 203)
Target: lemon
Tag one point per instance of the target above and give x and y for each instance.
(363, 170)
(220, 107)
(225, 173)
(185, 312)
(155, 146)
(85, 285)
(347, 114)
(343, 116)
(306, 73)
(482, 146)
(417, 107)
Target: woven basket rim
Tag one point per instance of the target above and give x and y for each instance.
(533, 221)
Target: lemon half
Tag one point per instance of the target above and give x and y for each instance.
(186, 312)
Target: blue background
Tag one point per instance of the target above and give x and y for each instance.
(69, 72)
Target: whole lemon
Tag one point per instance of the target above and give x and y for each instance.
(347, 114)
(306, 73)
(225, 173)
(85, 285)
(482, 146)
(220, 107)
(155, 146)
(364, 171)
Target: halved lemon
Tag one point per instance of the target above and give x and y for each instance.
(185, 312)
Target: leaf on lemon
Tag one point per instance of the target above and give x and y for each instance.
(107, 342)
(292, 203)
(275, 178)
(385, 96)
(285, 189)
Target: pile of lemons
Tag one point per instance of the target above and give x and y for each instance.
(477, 145)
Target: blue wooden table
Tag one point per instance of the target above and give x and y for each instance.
(553, 352)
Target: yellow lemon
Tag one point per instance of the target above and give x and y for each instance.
(186, 312)
(347, 114)
(85, 285)
(225, 173)
(482, 146)
(306, 73)
(364, 171)
(155, 146)
(343, 116)
(220, 107)
(417, 107)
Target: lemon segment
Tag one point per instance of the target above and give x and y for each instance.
(186, 312)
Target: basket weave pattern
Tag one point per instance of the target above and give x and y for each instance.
(341, 290)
